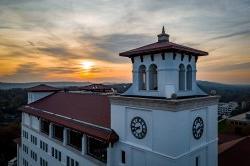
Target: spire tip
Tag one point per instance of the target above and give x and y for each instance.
(163, 30)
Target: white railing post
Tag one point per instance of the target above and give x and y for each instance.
(65, 136)
(50, 130)
(84, 144)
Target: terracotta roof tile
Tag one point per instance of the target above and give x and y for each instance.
(162, 46)
(87, 113)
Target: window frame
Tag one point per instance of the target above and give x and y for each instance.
(56, 127)
(69, 139)
(42, 129)
(96, 142)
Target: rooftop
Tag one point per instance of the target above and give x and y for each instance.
(77, 111)
(96, 87)
(43, 88)
(237, 154)
(163, 45)
(240, 117)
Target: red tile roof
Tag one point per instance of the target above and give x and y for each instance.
(236, 155)
(86, 113)
(43, 88)
(160, 47)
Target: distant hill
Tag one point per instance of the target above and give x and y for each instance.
(4, 85)
(227, 92)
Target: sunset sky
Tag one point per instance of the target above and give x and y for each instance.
(79, 40)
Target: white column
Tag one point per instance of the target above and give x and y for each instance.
(17, 155)
(147, 79)
(39, 125)
(65, 136)
(194, 85)
(109, 155)
(50, 130)
(84, 144)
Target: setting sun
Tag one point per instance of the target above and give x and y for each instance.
(87, 65)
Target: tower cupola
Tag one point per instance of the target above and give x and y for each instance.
(163, 37)
(164, 69)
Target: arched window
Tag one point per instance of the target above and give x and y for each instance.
(142, 77)
(189, 77)
(153, 83)
(181, 77)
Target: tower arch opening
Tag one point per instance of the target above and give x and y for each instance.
(153, 77)
(142, 77)
(181, 77)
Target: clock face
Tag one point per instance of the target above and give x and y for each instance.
(198, 127)
(138, 127)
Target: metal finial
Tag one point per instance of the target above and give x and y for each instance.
(163, 30)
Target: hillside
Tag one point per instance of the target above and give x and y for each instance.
(227, 92)
(4, 85)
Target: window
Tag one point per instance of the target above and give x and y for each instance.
(43, 146)
(181, 77)
(25, 162)
(189, 77)
(142, 77)
(33, 155)
(25, 134)
(25, 149)
(56, 154)
(97, 149)
(71, 162)
(153, 83)
(123, 157)
(43, 162)
(45, 126)
(58, 132)
(75, 139)
(33, 139)
(197, 161)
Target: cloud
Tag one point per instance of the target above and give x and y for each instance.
(60, 52)
(67, 31)
(122, 42)
(5, 27)
(33, 71)
(25, 72)
(240, 33)
(230, 67)
(109, 46)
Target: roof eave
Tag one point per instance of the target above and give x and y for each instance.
(139, 53)
(111, 138)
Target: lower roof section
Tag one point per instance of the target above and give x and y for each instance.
(89, 114)
(104, 134)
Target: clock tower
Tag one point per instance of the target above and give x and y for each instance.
(164, 118)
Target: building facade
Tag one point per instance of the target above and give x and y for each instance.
(225, 109)
(164, 119)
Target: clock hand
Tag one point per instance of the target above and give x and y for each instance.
(136, 128)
